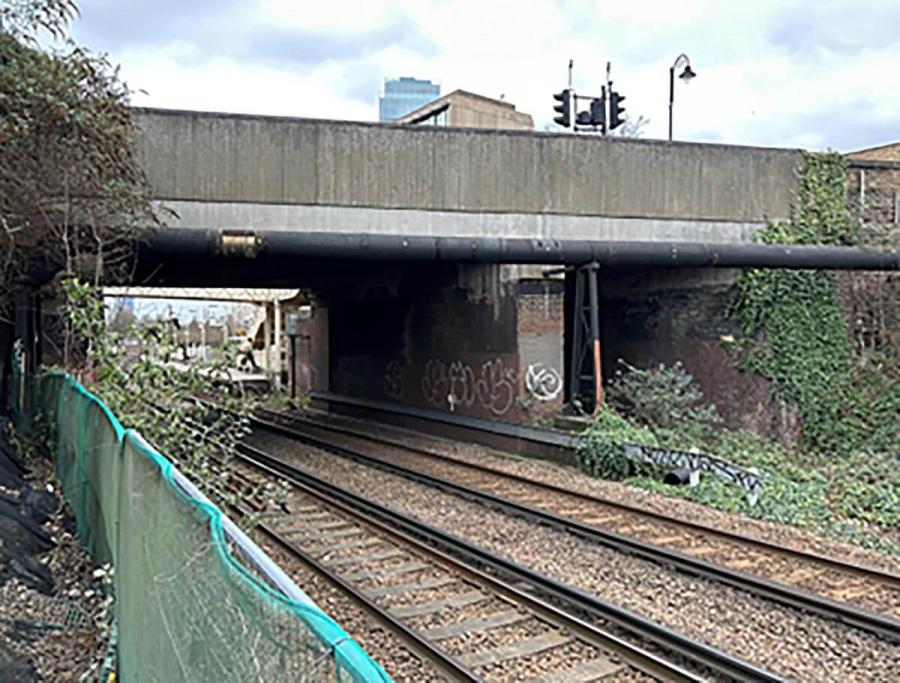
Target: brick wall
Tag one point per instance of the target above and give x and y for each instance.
(871, 299)
(873, 193)
(651, 317)
(458, 339)
(883, 153)
(540, 331)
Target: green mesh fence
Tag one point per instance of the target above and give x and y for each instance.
(186, 608)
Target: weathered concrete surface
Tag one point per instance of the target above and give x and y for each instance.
(471, 340)
(223, 170)
(467, 110)
(345, 219)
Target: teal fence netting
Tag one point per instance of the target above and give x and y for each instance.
(186, 608)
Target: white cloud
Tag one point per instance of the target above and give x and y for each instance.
(769, 72)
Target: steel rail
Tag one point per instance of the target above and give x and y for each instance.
(443, 662)
(635, 656)
(879, 624)
(576, 600)
(891, 580)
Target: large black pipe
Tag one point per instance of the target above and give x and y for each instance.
(262, 245)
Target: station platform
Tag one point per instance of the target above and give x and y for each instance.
(257, 382)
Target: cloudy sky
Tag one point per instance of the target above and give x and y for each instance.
(816, 74)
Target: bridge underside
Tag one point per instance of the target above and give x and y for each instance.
(406, 304)
(486, 339)
(478, 326)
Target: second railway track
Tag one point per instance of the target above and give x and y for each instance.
(470, 624)
(860, 596)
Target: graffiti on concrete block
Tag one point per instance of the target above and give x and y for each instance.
(748, 479)
(393, 380)
(543, 382)
(491, 386)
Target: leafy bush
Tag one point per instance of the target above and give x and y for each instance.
(162, 400)
(854, 501)
(601, 450)
(796, 336)
(73, 196)
(664, 398)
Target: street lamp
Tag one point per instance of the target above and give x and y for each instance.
(686, 76)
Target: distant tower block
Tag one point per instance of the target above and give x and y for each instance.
(403, 95)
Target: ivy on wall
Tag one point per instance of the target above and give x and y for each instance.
(795, 328)
(794, 333)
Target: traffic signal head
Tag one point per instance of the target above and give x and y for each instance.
(564, 108)
(616, 110)
(598, 111)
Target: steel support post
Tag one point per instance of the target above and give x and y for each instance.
(595, 335)
(577, 360)
(293, 366)
(585, 369)
(28, 329)
(267, 341)
(277, 342)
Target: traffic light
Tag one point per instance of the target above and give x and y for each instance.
(583, 118)
(598, 111)
(616, 110)
(564, 108)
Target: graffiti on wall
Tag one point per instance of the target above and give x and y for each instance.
(543, 382)
(492, 386)
(393, 380)
(748, 479)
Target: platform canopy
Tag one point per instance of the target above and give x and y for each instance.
(236, 294)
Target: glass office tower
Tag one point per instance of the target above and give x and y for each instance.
(402, 95)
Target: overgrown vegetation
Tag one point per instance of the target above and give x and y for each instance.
(664, 399)
(600, 451)
(73, 203)
(72, 193)
(795, 334)
(659, 406)
(854, 497)
(148, 390)
(842, 478)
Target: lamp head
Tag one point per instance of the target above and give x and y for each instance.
(687, 74)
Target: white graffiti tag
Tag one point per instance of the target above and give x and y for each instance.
(542, 382)
(747, 478)
(435, 383)
(493, 387)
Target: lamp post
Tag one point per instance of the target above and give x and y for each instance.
(686, 76)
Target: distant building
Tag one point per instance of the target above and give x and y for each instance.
(888, 152)
(467, 110)
(402, 95)
(874, 185)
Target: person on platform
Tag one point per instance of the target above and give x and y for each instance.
(246, 361)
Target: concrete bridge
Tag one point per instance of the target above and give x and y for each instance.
(233, 171)
(499, 341)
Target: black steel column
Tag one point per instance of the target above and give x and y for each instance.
(577, 357)
(27, 329)
(569, 320)
(293, 339)
(595, 335)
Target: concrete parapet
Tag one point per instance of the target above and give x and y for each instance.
(209, 157)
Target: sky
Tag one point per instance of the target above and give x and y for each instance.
(815, 74)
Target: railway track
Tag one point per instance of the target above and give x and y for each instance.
(861, 596)
(471, 614)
